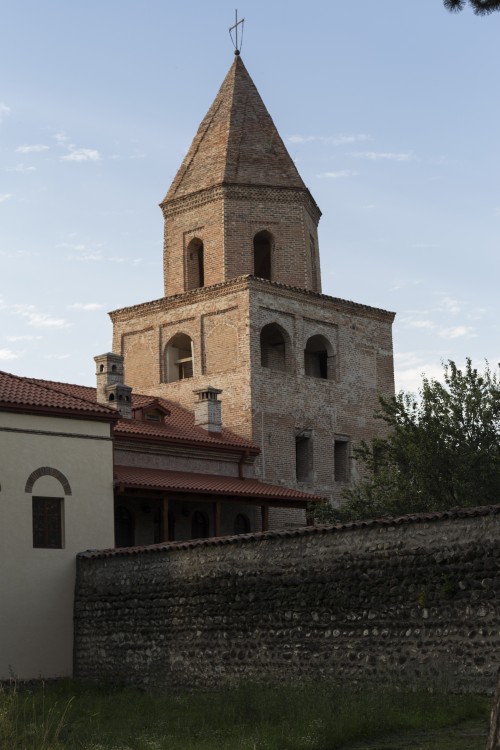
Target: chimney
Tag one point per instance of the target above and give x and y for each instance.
(207, 409)
(111, 390)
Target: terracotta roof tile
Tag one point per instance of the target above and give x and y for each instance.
(18, 393)
(179, 426)
(134, 477)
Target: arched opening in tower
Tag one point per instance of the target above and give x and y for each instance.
(195, 268)
(179, 358)
(319, 358)
(273, 347)
(262, 246)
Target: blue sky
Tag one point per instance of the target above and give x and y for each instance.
(390, 110)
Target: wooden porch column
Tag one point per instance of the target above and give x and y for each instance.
(264, 512)
(217, 508)
(164, 520)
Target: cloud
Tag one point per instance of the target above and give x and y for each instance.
(387, 155)
(38, 320)
(427, 324)
(4, 111)
(57, 356)
(36, 148)
(341, 173)
(13, 339)
(6, 354)
(5, 197)
(61, 138)
(456, 332)
(87, 306)
(449, 305)
(340, 139)
(81, 154)
(21, 168)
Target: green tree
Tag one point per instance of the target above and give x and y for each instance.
(480, 7)
(442, 449)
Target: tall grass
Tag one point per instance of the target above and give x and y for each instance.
(68, 716)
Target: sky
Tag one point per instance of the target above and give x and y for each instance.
(390, 110)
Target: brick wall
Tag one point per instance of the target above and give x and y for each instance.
(411, 602)
(265, 404)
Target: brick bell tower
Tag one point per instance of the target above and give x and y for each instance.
(299, 372)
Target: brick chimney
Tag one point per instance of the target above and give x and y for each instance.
(207, 409)
(111, 390)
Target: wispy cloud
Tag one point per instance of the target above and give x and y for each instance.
(456, 332)
(38, 319)
(21, 168)
(57, 356)
(385, 155)
(86, 306)
(6, 354)
(340, 173)
(449, 305)
(81, 154)
(36, 148)
(5, 197)
(4, 111)
(14, 339)
(340, 139)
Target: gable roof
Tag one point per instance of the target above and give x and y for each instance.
(236, 143)
(44, 397)
(30, 394)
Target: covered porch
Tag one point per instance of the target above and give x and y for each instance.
(155, 505)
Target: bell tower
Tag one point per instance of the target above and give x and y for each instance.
(299, 373)
(238, 205)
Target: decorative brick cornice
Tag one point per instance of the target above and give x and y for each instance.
(253, 193)
(241, 283)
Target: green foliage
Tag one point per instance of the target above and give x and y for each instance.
(442, 449)
(312, 716)
(480, 7)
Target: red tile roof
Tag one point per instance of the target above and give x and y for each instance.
(133, 477)
(22, 394)
(178, 427)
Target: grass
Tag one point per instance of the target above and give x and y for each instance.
(69, 716)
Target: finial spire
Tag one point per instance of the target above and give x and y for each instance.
(237, 47)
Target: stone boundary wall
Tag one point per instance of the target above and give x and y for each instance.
(408, 601)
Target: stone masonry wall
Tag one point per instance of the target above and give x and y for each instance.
(406, 601)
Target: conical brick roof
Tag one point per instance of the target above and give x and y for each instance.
(237, 143)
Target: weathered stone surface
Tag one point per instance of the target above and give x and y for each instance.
(402, 602)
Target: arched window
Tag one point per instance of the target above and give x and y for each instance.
(241, 524)
(262, 247)
(273, 347)
(179, 358)
(199, 525)
(319, 358)
(195, 269)
(124, 527)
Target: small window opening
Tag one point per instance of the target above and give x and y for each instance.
(195, 266)
(152, 416)
(262, 244)
(179, 358)
(303, 456)
(241, 524)
(318, 358)
(113, 368)
(111, 397)
(101, 368)
(341, 460)
(273, 347)
(47, 522)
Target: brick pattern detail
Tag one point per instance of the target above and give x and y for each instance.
(45, 471)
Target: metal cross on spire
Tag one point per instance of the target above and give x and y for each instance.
(234, 28)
